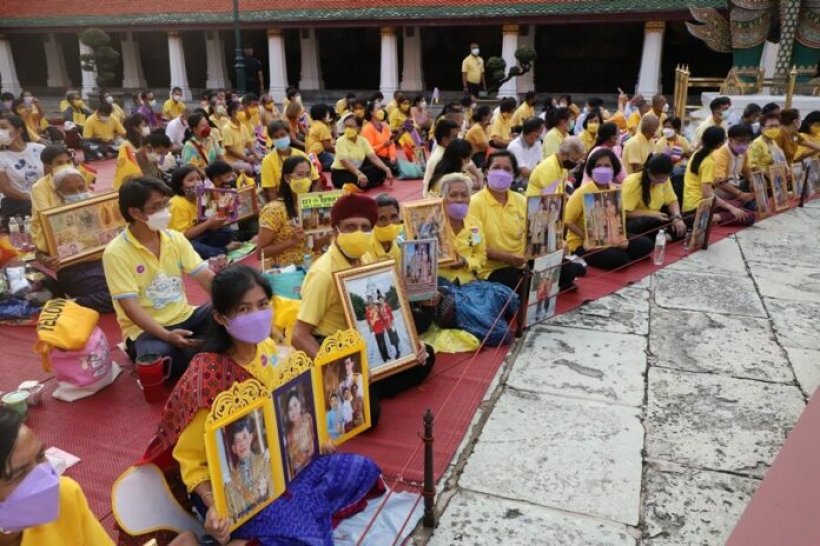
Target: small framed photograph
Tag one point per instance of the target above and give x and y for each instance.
(425, 219)
(314, 210)
(296, 416)
(419, 269)
(543, 295)
(780, 187)
(764, 207)
(421, 158)
(813, 178)
(604, 220)
(799, 172)
(377, 307)
(222, 202)
(247, 203)
(81, 230)
(341, 387)
(545, 225)
(700, 227)
(243, 458)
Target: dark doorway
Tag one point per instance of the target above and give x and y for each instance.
(680, 47)
(443, 49)
(350, 57)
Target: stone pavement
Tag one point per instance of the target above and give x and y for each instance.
(648, 417)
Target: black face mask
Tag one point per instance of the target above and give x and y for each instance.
(569, 165)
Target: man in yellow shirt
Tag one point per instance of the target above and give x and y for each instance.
(103, 130)
(719, 108)
(731, 167)
(173, 107)
(501, 128)
(272, 163)
(558, 124)
(144, 268)
(658, 110)
(551, 174)
(638, 148)
(319, 141)
(472, 72)
(526, 110)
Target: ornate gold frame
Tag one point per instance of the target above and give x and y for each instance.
(446, 245)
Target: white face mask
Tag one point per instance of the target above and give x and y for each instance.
(177, 97)
(422, 104)
(145, 130)
(152, 102)
(109, 100)
(756, 127)
(665, 107)
(5, 137)
(562, 104)
(28, 100)
(159, 220)
(76, 197)
(475, 51)
(153, 157)
(104, 119)
(668, 132)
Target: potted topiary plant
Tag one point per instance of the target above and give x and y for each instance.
(496, 67)
(102, 60)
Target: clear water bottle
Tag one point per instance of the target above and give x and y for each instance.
(307, 261)
(14, 232)
(660, 247)
(27, 241)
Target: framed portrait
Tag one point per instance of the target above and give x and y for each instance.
(247, 203)
(81, 230)
(813, 178)
(314, 210)
(545, 224)
(425, 219)
(240, 446)
(700, 227)
(764, 207)
(222, 202)
(780, 187)
(543, 295)
(799, 172)
(341, 387)
(419, 269)
(604, 219)
(377, 307)
(421, 158)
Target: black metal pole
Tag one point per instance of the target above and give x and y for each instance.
(429, 489)
(239, 60)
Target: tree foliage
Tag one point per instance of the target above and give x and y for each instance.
(103, 58)
(496, 67)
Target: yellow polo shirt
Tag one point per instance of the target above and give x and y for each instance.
(727, 165)
(666, 144)
(474, 67)
(76, 524)
(43, 197)
(355, 152)
(636, 150)
(118, 113)
(477, 135)
(171, 109)
(547, 175)
(318, 132)
(693, 182)
(522, 114)
(470, 244)
(103, 130)
(552, 142)
(272, 167)
(588, 139)
(504, 225)
(183, 213)
(761, 155)
(341, 106)
(133, 271)
(396, 119)
(321, 302)
(574, 213)
(235, 135)
(633, 121)
(379, 254)
(501, 128)
(660, 195)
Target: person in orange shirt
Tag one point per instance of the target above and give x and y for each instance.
(379, 135)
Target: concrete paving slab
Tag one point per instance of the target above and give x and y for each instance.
(793, 221)
(721, 257)
(693, 507)
(787, 281)
(573, 455)
(713, 343)
(474, 519)
(711, 293)
(717, 422)
(626, 312)
(761, 245)
(795, 323)
(806, 365)
(585, 363)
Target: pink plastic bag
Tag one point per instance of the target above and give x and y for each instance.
(84, 372)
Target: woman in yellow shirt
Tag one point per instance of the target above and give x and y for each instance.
(809, 137)
(478, 135)
(355, 161)
(210, 237)
(399, 115)
(319, 139)
(764, 150)
(383, 244)
(649, 200)
(32, 112)
(601, 168)
(237, 141)
(673, 143)
(239, 349)
(468, 233)
(591, 125)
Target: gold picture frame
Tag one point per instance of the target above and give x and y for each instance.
(813, 177)
(425, 219)
(700, 226)
(241, 427)
(545, 225)
(759, 188)
(604, 219)
(80, 231)
(388, 332)
(247, 203)
(799, 172)
(313, 210)
(780, 188)
(341, 373)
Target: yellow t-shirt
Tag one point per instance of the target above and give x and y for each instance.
(397, 119)
(43, 197)
(183, 213)
(103, 130)
(474, 67)
(476, 136)
(234, 135)
(272, 167)
(274, 218)
(190, 449)
(504, 225)
(552, 142)
(574, 213)
(693, 182)
(636, 150)
(355, 152)
(633, 121)
(321, 303)
(665, 145)
(133, 271)
(220, 121)
(651, 113)
(318, 132)
(588, 139)
(171, 109)
(660, 195)
(127, 166)
(470, 244)
(548, 175)
(118, 113)
(379, 254)
(76, 524)
(501, 128)
(763, 154)
(341, 106)
(727, 165)
(522, 114)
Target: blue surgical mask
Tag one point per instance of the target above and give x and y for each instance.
(76, 197)
(282, 144)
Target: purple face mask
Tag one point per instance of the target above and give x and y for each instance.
(251, 327)
(499, 180)
(739, 149)
(602, 175)
(36, 501)
(457, 211)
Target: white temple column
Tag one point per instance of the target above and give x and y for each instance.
(217, 70)
(133, 76)
(768, 61)
(176, 57)
(55, 64)
(649, 78)
(277, 65)
(89, 76)
(311, 74)
(509, 43)
(412, 76)
(527, 81)
(389, 80)
(8, 72)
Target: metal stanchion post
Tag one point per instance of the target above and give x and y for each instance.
(429, 489)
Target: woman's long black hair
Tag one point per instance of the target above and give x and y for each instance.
(713, 138)
(10, 423)
(288, 167)
(18, 123)
(810, 119)
(655, 164)
(227, 289)
(452, 161)
(606, 131)
(179, 175)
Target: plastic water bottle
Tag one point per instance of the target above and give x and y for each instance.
(27, 241)
(660, 247)
(14, 232)
(307, 261)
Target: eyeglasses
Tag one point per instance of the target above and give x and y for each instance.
(158, 207)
